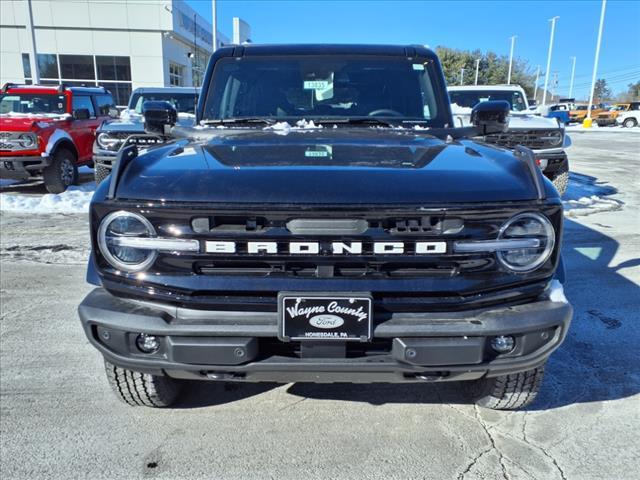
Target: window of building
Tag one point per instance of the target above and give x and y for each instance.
(48, 65)
(77, 67)
(26, 65)
(83, 101)
(175, 74)
(113, 68)
(121, 91)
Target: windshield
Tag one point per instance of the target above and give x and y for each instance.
(582, 107)
(31, 103)
(318, 87)
(182, 102)
(470, 98)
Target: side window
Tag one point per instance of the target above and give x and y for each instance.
(104, 103)
(83, 101)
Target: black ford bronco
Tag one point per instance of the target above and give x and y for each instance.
(325, 222)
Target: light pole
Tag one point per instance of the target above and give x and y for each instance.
(573, 75)
(587, 123)
(477, 70)
(462, 76)
(31, 42)
(513, 41)
(546, 76)
(214, 21)
(535, 87)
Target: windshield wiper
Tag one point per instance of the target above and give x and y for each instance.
(360, 121)
(230, 121)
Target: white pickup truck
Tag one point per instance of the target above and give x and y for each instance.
(545, 136)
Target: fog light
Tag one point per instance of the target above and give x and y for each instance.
(503, 344)
(147, 343)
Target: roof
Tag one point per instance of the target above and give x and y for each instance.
(485, 87)
(190, 90)
(52, 88)
(253, 49)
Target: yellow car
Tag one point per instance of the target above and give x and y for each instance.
(609, 117)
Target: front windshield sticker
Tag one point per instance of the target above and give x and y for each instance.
(418, 66)
(322, 89)
(321, 151)
(316, 84)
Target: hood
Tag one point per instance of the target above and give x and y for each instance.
(326, 166)
(29, 122)
(517, 120)
(131, 121)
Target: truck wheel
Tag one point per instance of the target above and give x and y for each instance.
(100, 172)
(142, 389)
(630, 122)
(560, 179)
(508, 392)
(62, 172)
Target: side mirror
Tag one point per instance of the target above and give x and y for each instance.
(113, 112)
(491, 117)
(81, 114)
(159, 117)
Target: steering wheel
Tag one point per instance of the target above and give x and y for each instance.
(385, 111)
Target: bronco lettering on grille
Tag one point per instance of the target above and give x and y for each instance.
(334, 248)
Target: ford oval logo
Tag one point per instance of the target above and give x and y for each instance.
(326, 321)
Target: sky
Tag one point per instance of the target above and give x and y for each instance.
(468, 25)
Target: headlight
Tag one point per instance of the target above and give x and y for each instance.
(107, 142)
(554, 137)
(533, 228)
(27, 141)
(128, 242)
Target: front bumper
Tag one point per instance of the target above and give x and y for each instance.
(22, 167)
(604, 122)
(243, 346)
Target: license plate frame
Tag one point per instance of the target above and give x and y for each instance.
(329, 324)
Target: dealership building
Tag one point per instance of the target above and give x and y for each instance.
(120, 44)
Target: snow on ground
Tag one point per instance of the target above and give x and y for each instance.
(75, 200)
(595, 128)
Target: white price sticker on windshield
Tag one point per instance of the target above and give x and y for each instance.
(418, 66)
(316, 85)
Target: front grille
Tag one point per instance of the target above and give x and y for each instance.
(533, 139)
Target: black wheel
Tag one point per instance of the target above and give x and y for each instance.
(62, 172)
(142, 389)
(560, 179)
(630, 122)
(100, 172)
(508, 392)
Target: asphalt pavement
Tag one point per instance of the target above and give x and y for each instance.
(59, 420)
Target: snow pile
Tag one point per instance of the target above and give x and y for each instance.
(585, 197)
(588, 205)
(75, 200)
(283, 128)
(53, 116)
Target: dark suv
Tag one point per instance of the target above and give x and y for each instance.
(326, 223)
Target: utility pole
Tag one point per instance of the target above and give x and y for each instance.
(535, 88)
(546, 76)
(214, 18)
(31, 42)
(462, 76)
(477, 69)
(513, 41)
(573, 75)
(595, 65)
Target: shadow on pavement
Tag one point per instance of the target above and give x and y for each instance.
(36, 187)
(598, 361)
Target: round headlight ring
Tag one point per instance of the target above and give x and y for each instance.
(27, 140)
(543, 256)
(110, 257)
(106, 141)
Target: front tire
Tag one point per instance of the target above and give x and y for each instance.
(142, 389)
(630, 123)
(62, 173)
(508, 392)
(100, 172)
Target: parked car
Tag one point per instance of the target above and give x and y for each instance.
(112, 135)
(630, 118)
(546, 137)
(609, 117)
(324, 222)
(579, 113)
(48, 131)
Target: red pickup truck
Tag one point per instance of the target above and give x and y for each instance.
(48, 131)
